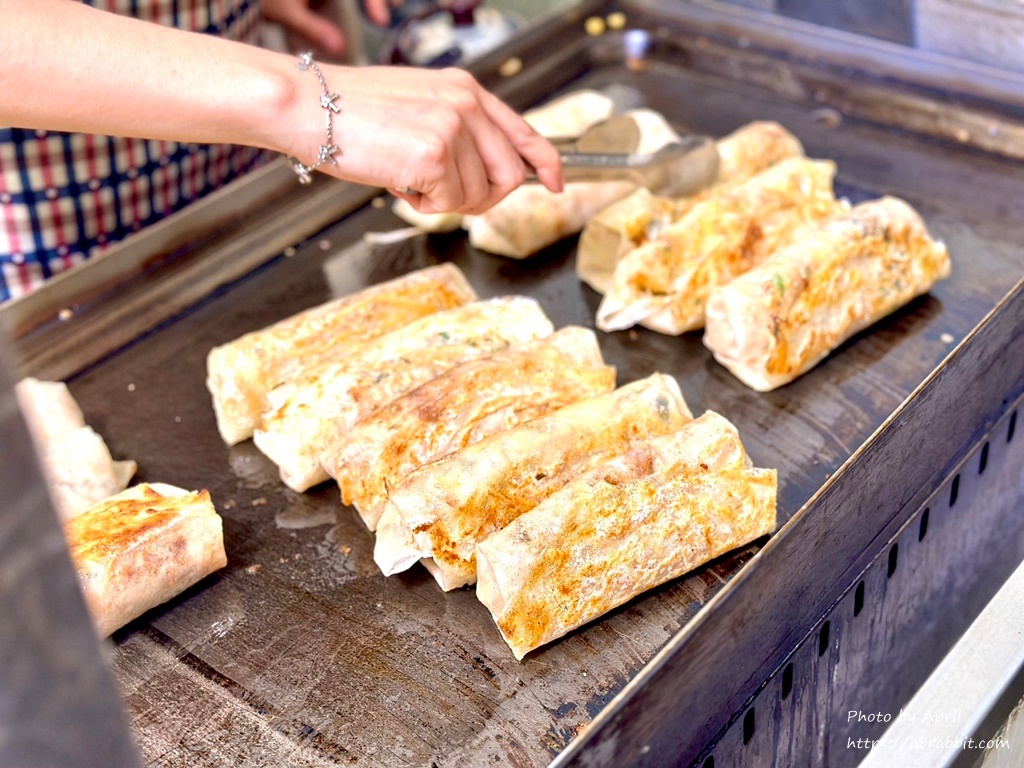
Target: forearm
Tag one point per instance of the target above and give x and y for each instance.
(68, 66)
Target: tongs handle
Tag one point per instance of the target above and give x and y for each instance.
(680, 168)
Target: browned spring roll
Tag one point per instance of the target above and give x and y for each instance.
(314, 411)
(242, 372)
(663, 284)
(632, 221)
(440, 512)
(779, 320)
(461, 406)
(142, 547)
(660, 509)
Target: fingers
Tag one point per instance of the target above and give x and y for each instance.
(442, 184)
(379, 11)
(297, 17)
(537, 152)
(464, 162)
(440, 134)
(322, 33)
(489, 164)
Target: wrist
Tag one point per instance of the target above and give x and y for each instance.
(286, 117)
(329, 107)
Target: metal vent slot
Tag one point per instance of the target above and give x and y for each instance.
(787, 681)
(823, 638)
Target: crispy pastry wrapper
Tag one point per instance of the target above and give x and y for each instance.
(76, 462)
(460, 407)
(632, 221)
(439, 512)
(138, 549)
(314, 411)
(783, 317)
(649, 515)
(565, 116)
(531, 218)
(664, 284)
(242, 372)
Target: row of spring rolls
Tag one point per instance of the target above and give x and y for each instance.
(776, 270)
(478, 435)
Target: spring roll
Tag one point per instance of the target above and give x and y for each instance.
(664, 284)
(782, 318)
(655, 512)
(313, 412)
(76, 462)
(532, 218)
(142, 547)
(641, 216)
(242, 372)
(437, 514)
(460, 407)
(570, 114)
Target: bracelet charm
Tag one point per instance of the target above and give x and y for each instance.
(328, 104)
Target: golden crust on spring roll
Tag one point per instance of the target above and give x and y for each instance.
(641, 216)
(142, 547)
(779, 320)
(439, 512)
(664, 284)
(532, 218)
(653, 513)
(753, 148)
(242, 372)
(313, 412)
(460, 407)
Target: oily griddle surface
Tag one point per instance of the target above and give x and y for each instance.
(301, 653)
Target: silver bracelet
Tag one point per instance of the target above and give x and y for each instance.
(329, 149)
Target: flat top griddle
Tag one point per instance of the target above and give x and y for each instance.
(301, 653)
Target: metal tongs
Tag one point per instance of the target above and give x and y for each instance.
(607, 152)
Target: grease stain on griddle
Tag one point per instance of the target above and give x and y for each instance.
(558, 737)
(565, 709)
(300, 517)
(598, 701)
(334, 564)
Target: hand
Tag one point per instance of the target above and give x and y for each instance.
(437, 132)
(379, 11)
(297, 17)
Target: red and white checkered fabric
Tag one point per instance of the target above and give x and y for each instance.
(64, 197)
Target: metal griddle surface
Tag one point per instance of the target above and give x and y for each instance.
(301, 653)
